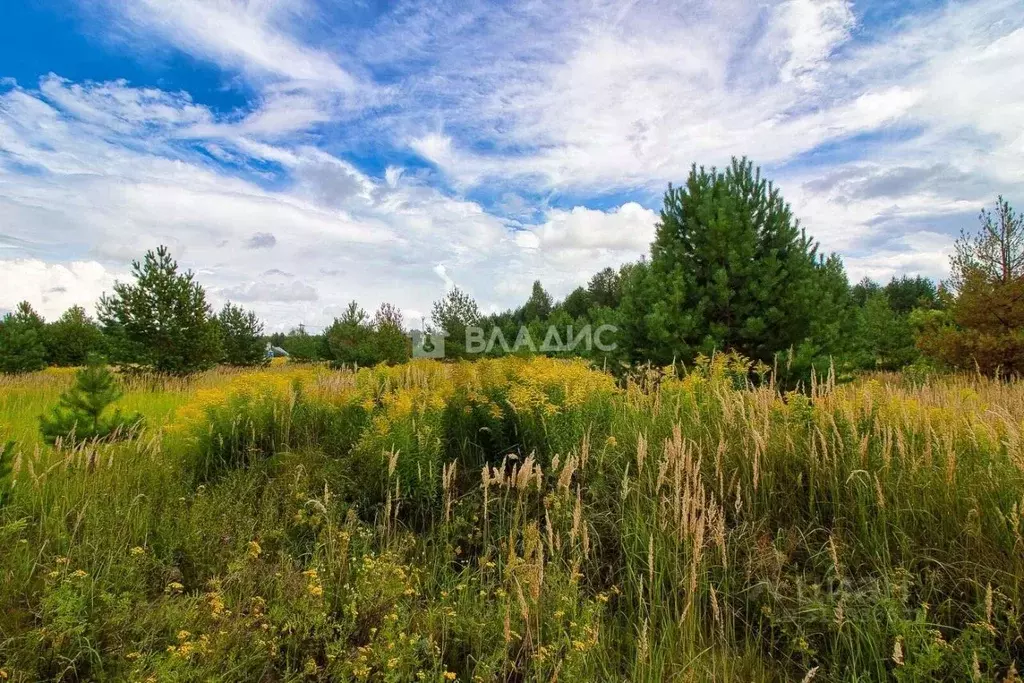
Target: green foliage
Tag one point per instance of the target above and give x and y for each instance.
(350, 338)
(605, 288)
(576, 304)
(22, 341)
(6, 468)
(452, 315)
(831, 335)
(392, 344)
(161, 322)
(301, 346)
(354, 339)
(537, 307)
(241, 336)
(885, 337)
(730, 269)
(907, 293)
(72, 338)
(985, 325)
(864, 289)
(79, 417)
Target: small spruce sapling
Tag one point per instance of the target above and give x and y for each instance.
(80, 416)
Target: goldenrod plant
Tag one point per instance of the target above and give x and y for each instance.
(521, 519)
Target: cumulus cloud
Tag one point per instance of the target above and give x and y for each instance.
(628, 229)
(110, 189)
(52, 288)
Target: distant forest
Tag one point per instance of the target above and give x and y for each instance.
(730, 269)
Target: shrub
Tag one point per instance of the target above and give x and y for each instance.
(259, 417)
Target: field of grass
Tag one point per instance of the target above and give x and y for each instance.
(519, 520)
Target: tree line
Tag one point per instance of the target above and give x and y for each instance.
(160, 322)
(730, 269)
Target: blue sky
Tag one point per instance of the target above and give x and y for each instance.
(298, 154)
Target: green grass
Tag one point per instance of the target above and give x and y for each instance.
(23, 399)
(301, 524)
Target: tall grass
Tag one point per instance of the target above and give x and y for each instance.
(523, 520)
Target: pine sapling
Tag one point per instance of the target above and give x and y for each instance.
(79, 416)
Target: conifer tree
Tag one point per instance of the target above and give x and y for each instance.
(350, 338)
(161, 322)
(80, 414)
(884, 336)
(605, 288)
(22, 341)
(984, 326)
(730, 269)
(72, 338)
(453, 314)
(241, 337)
(392, 344)
(537, 307)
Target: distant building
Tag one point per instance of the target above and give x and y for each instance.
(275, 351)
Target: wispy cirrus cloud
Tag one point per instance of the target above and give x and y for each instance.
(257, 38)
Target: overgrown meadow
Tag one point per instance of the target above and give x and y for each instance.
(518, 520)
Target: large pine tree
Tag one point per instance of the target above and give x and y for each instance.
(161, 322)
(730, 270)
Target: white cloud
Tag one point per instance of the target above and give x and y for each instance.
(806, 33)
(52, 288)
(530, 104)
(271, 292)
(249, 35)
(107, 192)
(626, 230)
(591, 101)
